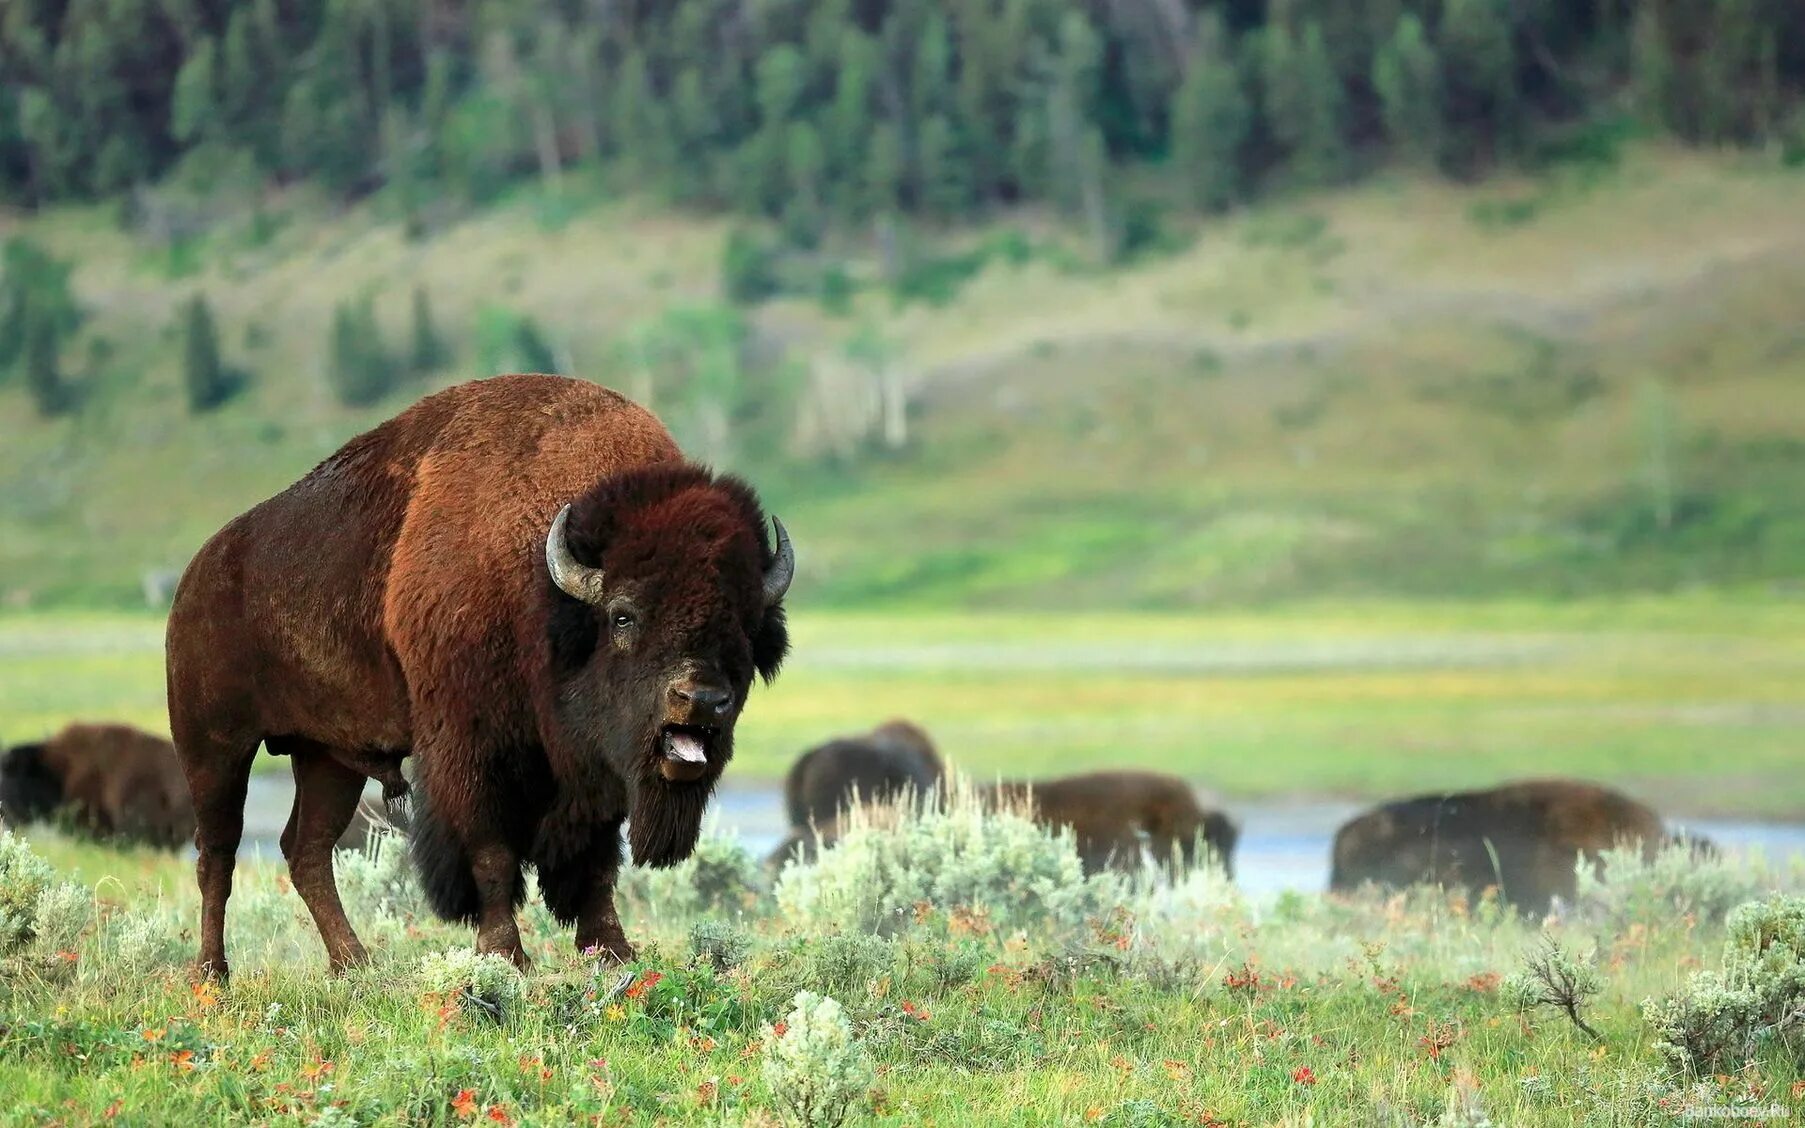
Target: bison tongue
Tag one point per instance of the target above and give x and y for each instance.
(684, 746)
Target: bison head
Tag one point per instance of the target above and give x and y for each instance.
(667, 601)
(29, 790)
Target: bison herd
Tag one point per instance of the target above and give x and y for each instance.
(522, 586)
(1524, 839)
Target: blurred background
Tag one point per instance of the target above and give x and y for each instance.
(1318, 399)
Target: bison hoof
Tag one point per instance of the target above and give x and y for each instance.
(613, 951)
(212, 971)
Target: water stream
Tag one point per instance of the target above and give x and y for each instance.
(1284, 845)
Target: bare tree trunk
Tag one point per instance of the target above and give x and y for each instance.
(884, 228)
(545, 139)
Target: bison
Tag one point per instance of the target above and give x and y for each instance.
(894, 760)
(883, 764)
(1108, 812)
(1524, 838)
(114, 781)
(521, 583)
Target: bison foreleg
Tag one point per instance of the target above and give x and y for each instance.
(598, 925)
(496, 869)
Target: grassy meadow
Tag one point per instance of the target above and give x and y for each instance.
(1694, 703)
(1145, 1004)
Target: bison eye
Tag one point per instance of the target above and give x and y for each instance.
(622, 620)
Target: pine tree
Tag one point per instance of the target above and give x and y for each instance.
(780, 75)
(43, 377)
(884, 171)
(806, 166)
(533, 350)
(194, 110)
(850, 119)
(1304, 106)
(700, 131)
(203, 375)
(1210, 122)
(1480, 59)
(360, 372)
(1408, 79)
(940, 174)
(429, 353)
(1651, 67)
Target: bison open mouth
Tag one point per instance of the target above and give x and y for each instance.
(684, 751)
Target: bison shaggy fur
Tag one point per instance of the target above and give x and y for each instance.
(112, 781)
(1110, 812)
(1524, 838)
(522, 584)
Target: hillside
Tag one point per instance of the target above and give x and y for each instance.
(1589, 381)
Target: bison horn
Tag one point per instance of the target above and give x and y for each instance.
(782, 569)
(579, 581)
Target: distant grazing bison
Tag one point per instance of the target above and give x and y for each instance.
(895, 759)
(114, 781)
(521, 583)
(1525, 838)
(1110, 811)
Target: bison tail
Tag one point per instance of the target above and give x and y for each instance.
(441, 864)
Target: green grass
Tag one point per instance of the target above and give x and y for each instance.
(1371, 1011)
(1694, 703)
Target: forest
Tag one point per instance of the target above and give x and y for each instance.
(825, 112)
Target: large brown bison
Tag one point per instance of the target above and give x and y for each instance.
(1524, 838)
(1109, 812)
(113, 781)
(521, 583)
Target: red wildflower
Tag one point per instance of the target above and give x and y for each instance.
(646, 982)
(1304, 1075)
(464, 1104)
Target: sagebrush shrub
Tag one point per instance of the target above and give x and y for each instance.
(1624, 888)
(23, 879)
(1723, 1019)
(486, 982)
(378, 880)
(719, 876)
(722, 944)
(140, 942)
(956, 855)
(34, 906)
(814, 1066)
(64, 912)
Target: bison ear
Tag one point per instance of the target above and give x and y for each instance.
(770, 642)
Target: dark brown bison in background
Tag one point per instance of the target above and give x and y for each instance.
(1110, 811)
(1525, 838)
(895, 759)
(113, 781)
(521, 583)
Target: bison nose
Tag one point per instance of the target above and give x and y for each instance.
(704, 698)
